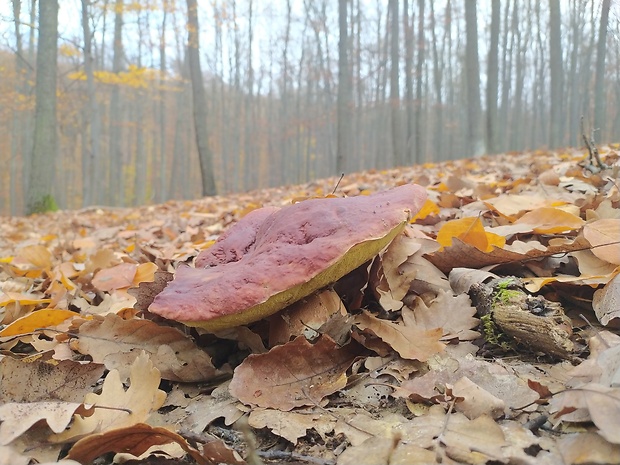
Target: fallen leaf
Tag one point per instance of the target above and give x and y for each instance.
(67, 380)
(604, 235)
(409, 340)
(117, 277)
(454, 314)
(135, 440)
(294, 374)
(115, 342)
(119, 407)
(470, 231)
(606, 301)
(46, 318)
(548, 220)
(17, 418)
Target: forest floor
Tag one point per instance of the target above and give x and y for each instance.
(486, 332)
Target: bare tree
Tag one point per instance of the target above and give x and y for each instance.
(45, 148)
(472, 71)
(344, 91)
(419, 118)
(492, 79)
(199, 100)
(557, 74)
(397, 137)
(599, 102)
(116, 183)
(91, 158)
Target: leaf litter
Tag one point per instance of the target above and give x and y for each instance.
(392, 363)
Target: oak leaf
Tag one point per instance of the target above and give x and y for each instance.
(406, 338)
(115, 342)
(119, 407)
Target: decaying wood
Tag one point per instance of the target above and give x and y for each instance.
(533, 322)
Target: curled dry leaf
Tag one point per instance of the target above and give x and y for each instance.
(606, 302)
(294, 374)
(114, 342)
(135, 440)
(268, 261)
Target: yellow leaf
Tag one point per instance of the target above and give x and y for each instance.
(22, 299)
(37, 255)
(549, 220)
(35, 320)
(429, 208)
(471, 231)
(145, 272)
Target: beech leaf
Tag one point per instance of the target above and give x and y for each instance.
(262, 267)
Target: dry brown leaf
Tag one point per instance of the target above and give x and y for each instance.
(295, 374)
(606, 302)
(305, 317)
(550, 220)
(588, 448)
(454, 314)
(115, 342)
(135, 440)
(409, 340)
(381, 449)
(17, 418)
(592, 402)
(220, 404)
(475, 400)
(117, 277)
(120, 407)
(67, 381)
(602, 232)
(289, 425)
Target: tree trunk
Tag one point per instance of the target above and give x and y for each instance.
(199, 100)
(492, 79)
(410, 140)
(116, 186)
(397, 138)
(599, 102)
(475, 141)
(420, 122)
(344, 91)
(45, 148)
(557, 75)
(91, 161)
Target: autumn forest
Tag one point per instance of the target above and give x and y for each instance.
(163, 99)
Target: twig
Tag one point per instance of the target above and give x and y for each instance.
(285, 455)
(594, 155)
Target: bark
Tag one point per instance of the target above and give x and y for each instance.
(45, 149)
(397, 138)
(410, 145)
(199, 101)
(492, 79)
(115, 158)
(438, 145)
(475, 141)
(419, 117)
(91, 161)
(557, 74)
(344, 103)
(599, 102)
(162, 169)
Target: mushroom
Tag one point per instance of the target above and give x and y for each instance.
(274, 257)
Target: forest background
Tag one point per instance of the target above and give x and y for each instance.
(292, 90)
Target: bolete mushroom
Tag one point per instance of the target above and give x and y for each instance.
(273, 257)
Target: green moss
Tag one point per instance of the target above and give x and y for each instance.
(43, 205)
(493, 335)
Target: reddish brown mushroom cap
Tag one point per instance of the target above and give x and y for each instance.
(274, 257)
